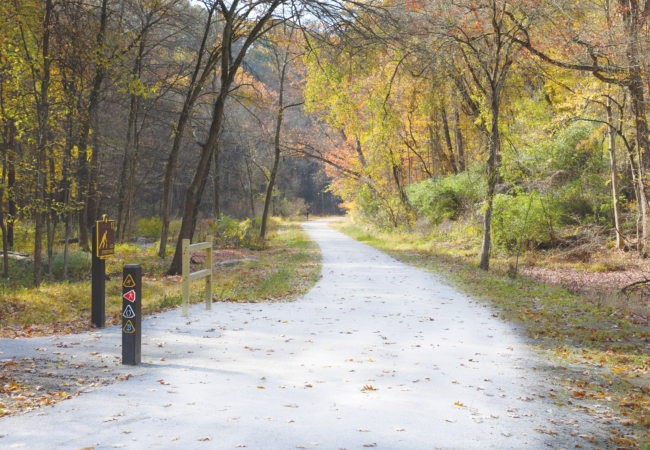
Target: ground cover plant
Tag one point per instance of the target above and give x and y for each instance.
(598, 350)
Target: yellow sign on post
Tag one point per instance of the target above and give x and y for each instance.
(105, 245)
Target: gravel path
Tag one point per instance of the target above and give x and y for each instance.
(444, 373)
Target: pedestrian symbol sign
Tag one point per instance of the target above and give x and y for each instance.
(130, 296)
(105, 244)
(128, 312)
(128, 282)
(128, 328)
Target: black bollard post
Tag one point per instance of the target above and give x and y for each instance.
(131, 314)
(98, 306)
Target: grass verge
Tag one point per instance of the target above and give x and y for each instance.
(285, 268)
(600, 353)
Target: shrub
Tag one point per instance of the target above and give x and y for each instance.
(447, 197)
(291, 208)
(150, 227)
(79, 265)
(520, 220)
(232, 233)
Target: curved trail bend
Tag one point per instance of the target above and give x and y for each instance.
(370, 321)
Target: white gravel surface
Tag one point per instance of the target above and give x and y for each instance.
(292, 375)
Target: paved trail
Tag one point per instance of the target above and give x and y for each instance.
(370, 321)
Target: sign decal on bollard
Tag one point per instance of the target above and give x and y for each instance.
(128, 328)
(131, 314)
(130, 296)
(128, 282)
(128, 312)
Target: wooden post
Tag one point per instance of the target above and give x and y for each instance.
(208, 279)
(186, 278)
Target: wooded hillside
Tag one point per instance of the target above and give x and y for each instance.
(517, 125)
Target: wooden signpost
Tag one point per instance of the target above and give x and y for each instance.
(103, 246)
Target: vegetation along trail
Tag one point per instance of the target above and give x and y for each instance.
(377, 352)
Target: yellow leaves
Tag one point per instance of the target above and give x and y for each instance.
(459, 405)
(261, 387)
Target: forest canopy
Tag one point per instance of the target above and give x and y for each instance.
(518, 123)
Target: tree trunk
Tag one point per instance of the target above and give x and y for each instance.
(443, 160)
(11, 184)
(276, 160)
(195, 214)
(93, 103)
(192, 198)
(229, 68)
(5, 241)
(216, 183)
(11, 193)
(51, 218)
(492, 177)
(43, 141)
(458, 138)
(450, 147)
(91, 203)
(614, 174)
(68, 219)
(194, 90)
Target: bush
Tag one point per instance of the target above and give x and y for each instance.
(380, 209)
(447, 197)
(232, 233)
(288, 208)
(79, 265)
(520, 220)
(150, 227)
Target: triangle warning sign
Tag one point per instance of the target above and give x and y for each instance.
(128, 281)
(130, 296)
(128, 312)
(128, 327)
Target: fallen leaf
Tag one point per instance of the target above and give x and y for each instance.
(291, 405)
(400, 429)
(206, 438)
(370, 445)
(505, 433)
(175, 438)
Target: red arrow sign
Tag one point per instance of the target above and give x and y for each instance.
(130, 296)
